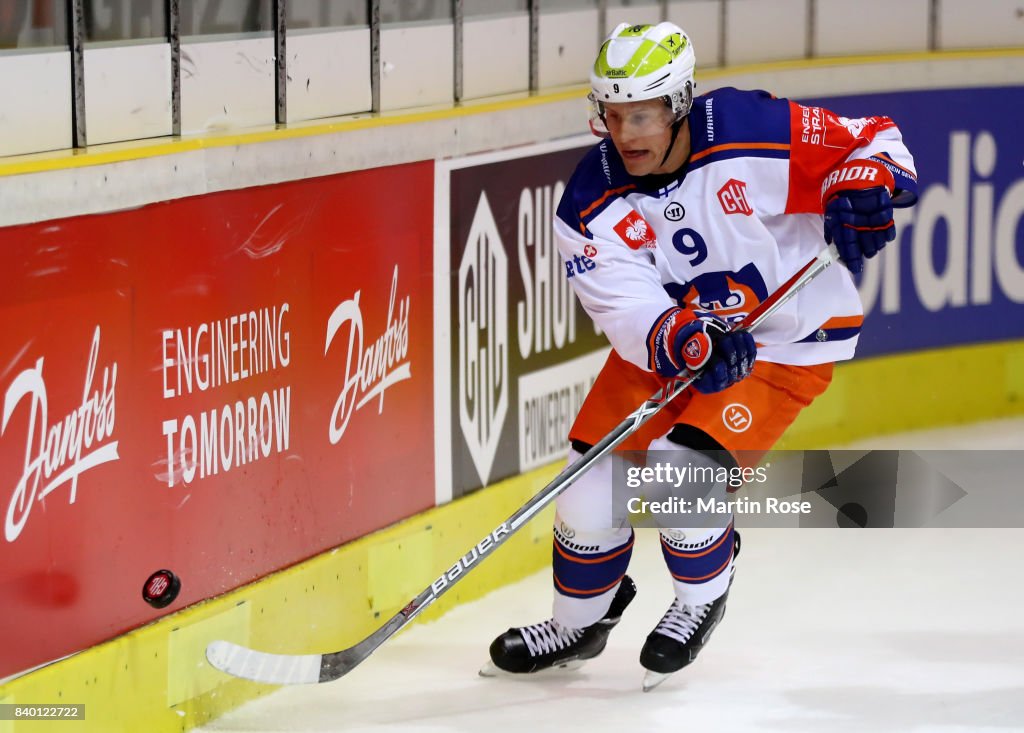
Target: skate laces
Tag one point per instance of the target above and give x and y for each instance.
(681, 622)
(548, 636)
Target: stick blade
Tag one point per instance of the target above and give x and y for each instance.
(271, 669)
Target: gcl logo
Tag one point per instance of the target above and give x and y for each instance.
(483, 339)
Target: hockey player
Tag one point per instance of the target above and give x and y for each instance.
(687, 215)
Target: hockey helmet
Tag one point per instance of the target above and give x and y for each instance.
(638, 62)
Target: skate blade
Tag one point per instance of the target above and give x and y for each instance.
(653, 679)
(491, 670)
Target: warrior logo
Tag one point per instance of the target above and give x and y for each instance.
(737, 417)
(675, 211)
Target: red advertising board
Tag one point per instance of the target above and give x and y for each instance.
(221, 385)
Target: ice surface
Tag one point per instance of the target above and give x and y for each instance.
(856, 630)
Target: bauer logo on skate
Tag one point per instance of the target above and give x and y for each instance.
(369, 371)
(54, 453)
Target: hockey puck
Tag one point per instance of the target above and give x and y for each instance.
(852, 515)
(161, 588)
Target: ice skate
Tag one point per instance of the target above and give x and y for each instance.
(548, 645)
(681, 634)
(678, 639)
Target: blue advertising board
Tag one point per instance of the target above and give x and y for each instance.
(955, 275)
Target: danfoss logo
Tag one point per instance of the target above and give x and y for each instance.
(370, 369)
(483, 339)
(58, 453)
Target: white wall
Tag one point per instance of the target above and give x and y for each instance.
(980, 23)
(36, 92)
(58, 193)
(227, 83)
(496, 55)
(417, 65)
(765, 30)
(328, 73)
(127, 92)
(702, 21)
(904, 27)
(635, 14)
(568, 43)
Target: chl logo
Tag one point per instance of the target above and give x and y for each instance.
(733, 197)
(483, 339)
(737, 417)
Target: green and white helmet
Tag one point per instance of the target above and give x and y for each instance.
(638, 62)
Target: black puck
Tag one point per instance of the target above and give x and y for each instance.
(852, 515)
(161, 588)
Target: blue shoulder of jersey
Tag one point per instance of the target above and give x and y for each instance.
(733, 123)
(598, 180)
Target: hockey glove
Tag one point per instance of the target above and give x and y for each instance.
(704, 343)
(857, 199)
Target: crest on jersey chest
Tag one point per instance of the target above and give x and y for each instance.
(730, 295)
(733, 198)
(634, 230)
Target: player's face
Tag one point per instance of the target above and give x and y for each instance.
(642, 133)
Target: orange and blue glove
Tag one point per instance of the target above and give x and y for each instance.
(857, 200)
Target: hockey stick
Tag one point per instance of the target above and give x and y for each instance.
(288, 669)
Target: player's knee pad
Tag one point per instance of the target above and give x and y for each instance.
(699, 558)
(586, 506)
(697, 443)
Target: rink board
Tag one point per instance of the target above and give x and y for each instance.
(950, 386)
(156, 678)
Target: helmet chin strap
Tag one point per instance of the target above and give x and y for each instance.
(676, 126)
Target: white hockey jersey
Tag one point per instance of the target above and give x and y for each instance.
(741, 216)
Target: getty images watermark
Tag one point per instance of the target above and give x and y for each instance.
(866, 489)
(674, 480)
